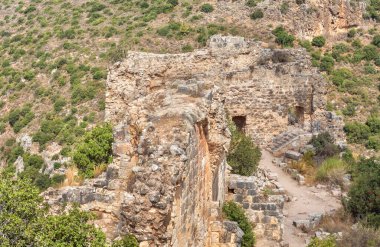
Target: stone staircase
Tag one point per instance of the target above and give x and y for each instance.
(291, 139)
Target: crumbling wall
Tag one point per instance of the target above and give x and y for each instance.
(167, 181)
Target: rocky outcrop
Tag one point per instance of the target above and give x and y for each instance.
(167, 181)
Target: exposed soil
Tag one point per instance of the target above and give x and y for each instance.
(305, 201)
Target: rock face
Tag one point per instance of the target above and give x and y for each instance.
(167, 181)
(305, 19)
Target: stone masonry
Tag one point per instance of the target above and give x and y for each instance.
(167, 182)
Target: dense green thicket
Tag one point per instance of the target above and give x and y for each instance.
(367, 133)
(94, 150)
(243, 155)
(24, 220)
(236, 213)
(364, 194)
(318, 41)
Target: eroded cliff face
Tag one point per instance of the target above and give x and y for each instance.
(305, 19)
(167, 181)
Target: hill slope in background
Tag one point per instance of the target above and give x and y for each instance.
(55, 54)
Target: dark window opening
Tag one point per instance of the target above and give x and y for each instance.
(296, 116)
(240, 122)
(231, 191)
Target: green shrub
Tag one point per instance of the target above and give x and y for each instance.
(340, 76)
(252, 3)
(370, 52)
(326, 242)
(94, 150)
(20, 117)
(236, 213)
(332, 170)
(257, 14)
(243, 155)
(207, 8)
(373, 123)
(363, 196)
(282, 37)
(318, 41)
(284, 8)
(187, 48)
(59, 103)
(327, 63)
(324, 145)
(376, 40)
(357, 132)
(127, 241)
(351, 33)
(349, 110)
(374, 142)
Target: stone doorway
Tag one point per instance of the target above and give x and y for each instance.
(296, 116)
(240, 122)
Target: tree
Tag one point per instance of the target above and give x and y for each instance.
(364, 194)
(244, 155)
(24, 220)
(94, 150)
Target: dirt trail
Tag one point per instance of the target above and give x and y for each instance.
(307, 200)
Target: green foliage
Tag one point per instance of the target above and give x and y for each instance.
(326, 242)
(20, 117)
(351, 33)
(127, 241)
(331, 170)
(318, 41)
(27, 222)
(257, 14)
(364, 194)
(374, 142)
(252, 3)
(236, 213)
(284, 8)
(282, 37)
(327, 63)
(373, 123)
(357, 132)
(341, 76)
(324, 145)
(94, 150)
(376, 40)
(243, 155)
(69, 228)
(207, 8)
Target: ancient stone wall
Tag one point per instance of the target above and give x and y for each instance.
(167, 181)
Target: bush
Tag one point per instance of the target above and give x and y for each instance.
(332, 170)
(326, 242)
(207, 8)
(363, 196)
(376, 40)
(282, 37)
(318, 41)
(20, 117)
(360, 236)
(327, 63)
(370, 52)
(357, 132)
(257, 14)
(324, 145)
(127, 241)
(94, 150)
(29, 224)
(243, 155)
(374, 142)
(351, 33)
(340, 76)
(236, 213)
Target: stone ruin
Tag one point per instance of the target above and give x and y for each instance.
(168, 179)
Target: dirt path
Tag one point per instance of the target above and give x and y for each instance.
(307, 200)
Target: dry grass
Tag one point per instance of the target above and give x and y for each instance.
(99, 169)
(72, 178)
(340, 221)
